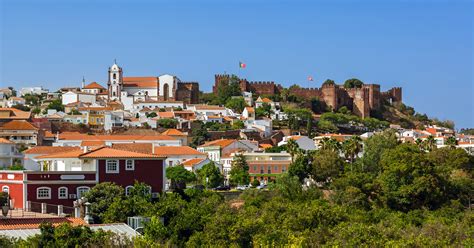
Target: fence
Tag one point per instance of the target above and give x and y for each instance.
(38, 209)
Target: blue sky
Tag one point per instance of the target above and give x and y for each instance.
(426, 47)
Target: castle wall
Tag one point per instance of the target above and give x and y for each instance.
(188, 92)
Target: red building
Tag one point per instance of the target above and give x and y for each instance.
(65, 179)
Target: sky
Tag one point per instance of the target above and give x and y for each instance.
(426, 47)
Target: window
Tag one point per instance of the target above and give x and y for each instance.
(62, 193)
(112, 166)
(6, 189)
(283, 168)
(170, 163)
(115, 76)
(81, 191)
(275, 168)
(130, 164)
(43, 193)
(262, 169)
(127, 190)
(254, 168)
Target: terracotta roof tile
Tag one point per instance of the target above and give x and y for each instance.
(135, 147)
(221, 143)
(140, 82)
(192, 162)
(13, 114)
(31, 223)
(48, 149)
(173, 132)
(94, 85)
(66, 154)
(176, 150)
(107, 152)
(82, 136)
(18, 125)
(166, 114)
(92, 143)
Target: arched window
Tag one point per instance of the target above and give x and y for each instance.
(127, 189)
(62, 193)
(43, 193)
(6, 189)
(81, 191)
(114, 76)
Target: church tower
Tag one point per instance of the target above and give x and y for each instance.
(115, 82)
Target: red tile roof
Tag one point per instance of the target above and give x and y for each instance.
(135, 147)
(107, 152)
(141, 82)
(221, 143)
(192, 162)
(49, 149)
(18, 125)
(66, 154)
(176, 150)
(92, 143)
(31, 223)
(82, 136)
(173, 132)
(94, 85)
(13, 114)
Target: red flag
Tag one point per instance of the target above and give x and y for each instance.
(310, 78)
(242, 65)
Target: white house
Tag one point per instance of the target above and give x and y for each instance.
(12, 101)
(30, 155)
(178, 154)
(8, 153)
(33, 91)
(71, 97)
(248, 113)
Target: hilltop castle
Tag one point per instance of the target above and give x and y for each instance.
(360, 100)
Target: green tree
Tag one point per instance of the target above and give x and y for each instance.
(167, 123)
(327, 165)
(408, 180)
(264, 111)
(330, 144)
(293, 148)
(300, 167)
(199, 134)
(179, 176)
(210, 176)
(374, 147)
(429, 144)
(101, 196)
(236, 103)
(56, 104)
(238, 124)
(239, 173)
(452, 142)
(352, 147)
(353, 83)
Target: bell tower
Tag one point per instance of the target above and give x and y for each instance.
(115, 82)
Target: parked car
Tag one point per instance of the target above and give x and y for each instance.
(222, 187)
(262, 186)
(199, 187)
(242, 187)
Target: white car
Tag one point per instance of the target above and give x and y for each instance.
(242, 187)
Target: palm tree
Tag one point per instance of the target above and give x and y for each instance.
(419, 143)
(430, 143)
(352, 147)
(330, 144)
(452, 142)
(293, 148)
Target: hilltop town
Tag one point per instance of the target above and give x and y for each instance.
(163, 134)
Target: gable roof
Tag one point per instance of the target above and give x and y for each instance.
(92, 143)
(107, 152)
(48, 149)
(173, 132)
(94, 85)
(18, 125)
(141, 82)
(176, 150)
(221, 143)
(13, 114)
(135, 147)
(192, 162)
(65, 154)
